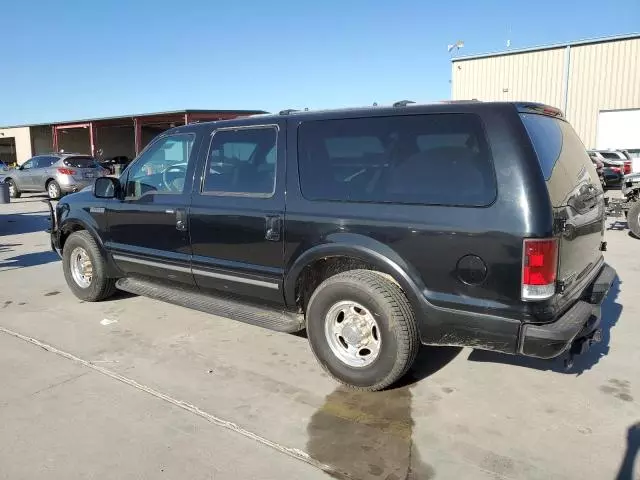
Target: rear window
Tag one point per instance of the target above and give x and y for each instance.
(80, 162)
(437, 159)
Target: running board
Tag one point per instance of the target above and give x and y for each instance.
(272, 319)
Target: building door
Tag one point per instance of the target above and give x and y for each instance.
(8, 150)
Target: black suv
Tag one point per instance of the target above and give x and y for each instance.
(376, 229)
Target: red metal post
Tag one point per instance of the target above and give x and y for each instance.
(54, 137)
(93, 136)
(137, 136)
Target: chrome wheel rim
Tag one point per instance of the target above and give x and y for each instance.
(352, 334)
(53, 190)
(81, 267)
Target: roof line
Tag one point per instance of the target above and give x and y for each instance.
(587, 41)
(118, 117)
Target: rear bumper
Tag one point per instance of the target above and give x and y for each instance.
(575, 330)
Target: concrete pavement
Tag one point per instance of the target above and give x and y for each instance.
(460, 414)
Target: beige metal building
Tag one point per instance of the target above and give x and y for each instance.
(585, 79)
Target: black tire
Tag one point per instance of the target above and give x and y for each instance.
(54, 191)
(383, 298)
(13, 189)
(101, 286)
(633, 219)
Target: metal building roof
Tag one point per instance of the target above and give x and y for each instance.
(587, 41)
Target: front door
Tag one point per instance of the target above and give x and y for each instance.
(24, 178)
(147, 228)
(236, 215)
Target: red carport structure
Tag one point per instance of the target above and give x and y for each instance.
(129, 133)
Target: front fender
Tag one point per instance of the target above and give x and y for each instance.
(70, 220)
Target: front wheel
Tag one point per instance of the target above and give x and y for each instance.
(362, 329)
(13, 189)
(633, 218)
(85, 269)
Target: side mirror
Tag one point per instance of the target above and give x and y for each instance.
(106, 187)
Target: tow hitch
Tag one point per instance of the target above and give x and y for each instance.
(582, 345)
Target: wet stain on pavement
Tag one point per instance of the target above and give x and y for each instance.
(7, 303)
(618, 388)
(51, 294)
(364, 435)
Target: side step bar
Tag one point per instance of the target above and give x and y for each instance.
(278, 320)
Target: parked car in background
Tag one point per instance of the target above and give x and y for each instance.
(54, 173)
(616, 157)
(375, 229)
(111, 163)
(3, 166)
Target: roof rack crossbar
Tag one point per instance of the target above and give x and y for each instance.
(288, 111)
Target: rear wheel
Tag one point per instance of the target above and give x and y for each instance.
(362, 329)
(85, 269)
(53, 190)
(633, 218)
(13, 189)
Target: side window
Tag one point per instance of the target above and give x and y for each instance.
(29, 164)
(162, 168)
(242, 161)
(44, 162)
(436, 159)
(546, 137)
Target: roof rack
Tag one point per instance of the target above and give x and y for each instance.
(288, 111)
(403, 103)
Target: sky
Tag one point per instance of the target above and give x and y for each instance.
(70, 59)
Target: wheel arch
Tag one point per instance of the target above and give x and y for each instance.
(361, 252)
(71, 225)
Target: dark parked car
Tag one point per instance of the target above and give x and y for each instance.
(376, 229)
(111, 163)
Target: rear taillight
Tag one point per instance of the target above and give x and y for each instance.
(616, 169)
(627, 167)
(539, 268)
(66, 171)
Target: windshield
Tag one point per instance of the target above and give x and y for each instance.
(80, 162)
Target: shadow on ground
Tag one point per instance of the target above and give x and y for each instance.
(633, 447)
(611, 311)
(29, 260)
(18, 223)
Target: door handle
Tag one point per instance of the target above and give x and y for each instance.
(181, 219)
(273, 226)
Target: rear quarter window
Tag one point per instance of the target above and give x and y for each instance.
(433, 159)
(546, 137)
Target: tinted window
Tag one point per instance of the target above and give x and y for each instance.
(546, 137)
(610, 155)
(44, 162)
(439, 159)
(80, 162)
(162, 168)
(242, 162)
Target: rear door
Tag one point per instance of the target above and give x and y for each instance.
(575, 192)
(43, 171)
(236, 214)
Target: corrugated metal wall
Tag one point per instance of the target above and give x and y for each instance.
(601, 76)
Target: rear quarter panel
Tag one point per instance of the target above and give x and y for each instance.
(431, 240)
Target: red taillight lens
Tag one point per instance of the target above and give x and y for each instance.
(539, 268)
(66, 171)
(616, 169)
(627, 167)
